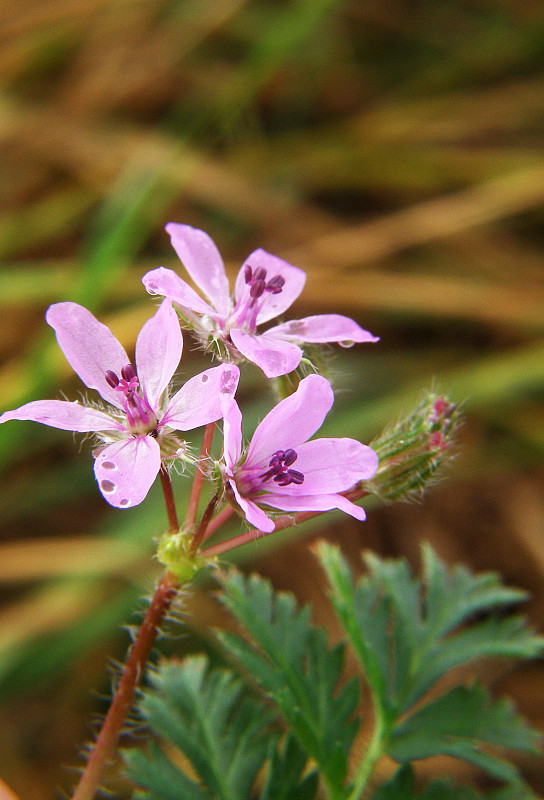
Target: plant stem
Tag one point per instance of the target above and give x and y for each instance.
(366, 767)
(169, 500)
(198, 480)
(217, 521)
(106, 742)
(204, 523)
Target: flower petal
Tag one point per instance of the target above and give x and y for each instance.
(332, 465)
(203, 262)
(199, 401)
(89, 346)
(274, 304)
(321, 502)
(126, 470)
(165, 282)
(322, 328)
(292, 421)
(64, 415)
(232, 431)
(252, 512)
(273, 356)
(158, 351)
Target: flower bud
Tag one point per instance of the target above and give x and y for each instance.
(413, 451)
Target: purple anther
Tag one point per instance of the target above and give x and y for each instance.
(259, 274)
(257, 287)
(283, 479)
(289, 457)
(296, 476)
(128, 372)
(248, 272)
(111, 378)
(275, 284)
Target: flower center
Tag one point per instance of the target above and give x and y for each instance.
(140, 416)
(253, 298)
(280, 471)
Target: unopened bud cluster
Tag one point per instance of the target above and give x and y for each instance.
(413, 451)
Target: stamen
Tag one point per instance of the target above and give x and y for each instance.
(111, 378)
(128, 372)
(280, 461)
(275, 284)
(247, 273)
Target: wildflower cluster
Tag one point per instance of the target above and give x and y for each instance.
(139, 422)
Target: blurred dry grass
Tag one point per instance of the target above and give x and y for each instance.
(395, 151)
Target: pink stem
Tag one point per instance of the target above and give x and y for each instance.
(198, 480)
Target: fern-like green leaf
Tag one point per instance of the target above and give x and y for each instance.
(458, 723)
(291, 662)
(407, 633)
(209, 717)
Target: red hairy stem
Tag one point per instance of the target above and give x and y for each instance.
(198, 480)
(106, 742)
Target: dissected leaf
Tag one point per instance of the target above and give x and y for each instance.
(291, 661)
(408, 633)
(207, 715)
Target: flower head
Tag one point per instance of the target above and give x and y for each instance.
(265, 287)
(136, 426)
(284, 470)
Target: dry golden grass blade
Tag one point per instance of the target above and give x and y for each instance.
(6, 793)
(36, 559)
(50, 609)
(419, 224)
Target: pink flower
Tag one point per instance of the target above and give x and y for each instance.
(135, 428)
(284, 470)
(265, 287)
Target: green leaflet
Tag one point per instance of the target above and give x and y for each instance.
(408, 633)
(291, 662)
(225, 734)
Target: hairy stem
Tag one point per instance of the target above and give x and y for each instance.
(198, 480)
(218, 521)
(204, 523)
(106, 742)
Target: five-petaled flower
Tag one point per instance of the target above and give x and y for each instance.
(265, 287)
(284, 470)
(136, 427)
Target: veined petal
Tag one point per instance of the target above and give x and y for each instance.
(274, 304)
(203, 262)
(158, 351)
(320, 502)
(64, 415)
(232, 431)
(273, 356)
(254, 515)
(89, 347)
(199, 401)
(126, 470)
(165, 282)
(322, 328)
(293, 420)
(332, 465)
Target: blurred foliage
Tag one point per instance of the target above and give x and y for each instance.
(393, 150)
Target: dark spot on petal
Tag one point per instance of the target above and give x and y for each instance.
(204, 378)
(124, 502)
(107, 486)
(108, 465)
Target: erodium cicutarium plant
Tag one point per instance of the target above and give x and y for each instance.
(289, 732)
